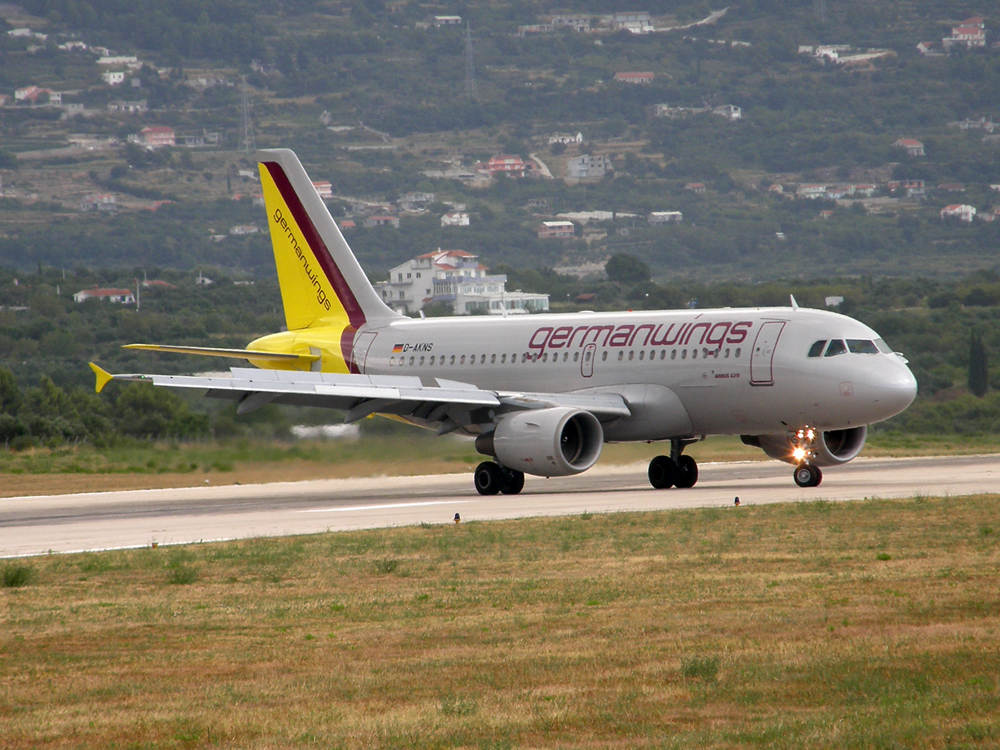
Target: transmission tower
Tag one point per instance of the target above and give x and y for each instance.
(470, 66)
(248, 143)
(820, 10)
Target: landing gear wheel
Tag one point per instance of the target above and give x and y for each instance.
(512, 482)
(807, 475)
(661, 472)
(686, 473)
(488, 478)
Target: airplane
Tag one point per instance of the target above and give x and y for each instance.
(542, 393)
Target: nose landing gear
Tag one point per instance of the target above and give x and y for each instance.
(675, 470)
(806, 474)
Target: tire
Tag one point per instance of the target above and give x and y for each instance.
(687, 473)
(807, 475)
(488, 478)
(512, 483)
(661, 473)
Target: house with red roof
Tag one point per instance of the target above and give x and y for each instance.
(155, 136)
(957, 211)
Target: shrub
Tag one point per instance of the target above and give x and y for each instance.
(16, 575)
(700, 667)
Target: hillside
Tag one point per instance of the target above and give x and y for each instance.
(376, 98)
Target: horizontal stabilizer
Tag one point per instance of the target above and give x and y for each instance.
(207, 351)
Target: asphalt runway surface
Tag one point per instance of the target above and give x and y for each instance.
(109, 520)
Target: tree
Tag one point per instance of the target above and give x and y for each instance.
(626, 269)
(978, 366)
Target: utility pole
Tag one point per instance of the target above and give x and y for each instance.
(247, 141)
(470, 66)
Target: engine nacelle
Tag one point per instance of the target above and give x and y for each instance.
(831, 448)
(555, 442)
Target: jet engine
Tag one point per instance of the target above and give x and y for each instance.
(554, 442)
(830, 448)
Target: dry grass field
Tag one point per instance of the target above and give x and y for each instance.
(814, 625)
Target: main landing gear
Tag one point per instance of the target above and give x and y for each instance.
(675, 470)
(491, 478)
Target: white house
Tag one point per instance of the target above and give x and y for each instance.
(455, 219)
(123, 296)
(659, 218)
(962, 212)
(730, 111)
(566, 138)
(113, 77)
(455, 278)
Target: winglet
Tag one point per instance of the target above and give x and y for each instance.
(103, 378)
(795, 305)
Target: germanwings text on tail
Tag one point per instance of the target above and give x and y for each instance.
(541, 394)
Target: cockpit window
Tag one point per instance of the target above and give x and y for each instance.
(882, 346)
(861, 346)
(817, 349)
(836, 347)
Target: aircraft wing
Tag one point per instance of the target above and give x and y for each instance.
(449, 403)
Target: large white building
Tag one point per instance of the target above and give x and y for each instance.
(458, 279)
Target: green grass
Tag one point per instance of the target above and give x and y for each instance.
(834, 625)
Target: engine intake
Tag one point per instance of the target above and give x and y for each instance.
(831, 448)
(555, 442)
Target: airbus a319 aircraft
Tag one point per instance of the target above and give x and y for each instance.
(541, 394)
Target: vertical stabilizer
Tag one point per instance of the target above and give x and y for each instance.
(321, 281)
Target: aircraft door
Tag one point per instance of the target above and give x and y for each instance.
(362, 343)
(762, 356)
(587, 363)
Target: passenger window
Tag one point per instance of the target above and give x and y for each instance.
(836, 347)
(452, 361)
(861, 346)
(576, 356)
(604, 357)
(817, 349)
(462, 360)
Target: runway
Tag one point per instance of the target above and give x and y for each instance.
(108, 520)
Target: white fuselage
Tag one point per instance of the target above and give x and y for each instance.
(682, 373)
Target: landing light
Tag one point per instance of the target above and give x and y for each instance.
(798, 454)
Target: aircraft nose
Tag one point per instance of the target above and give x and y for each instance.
(896, 387)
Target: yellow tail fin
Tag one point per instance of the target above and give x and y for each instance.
(321, 281)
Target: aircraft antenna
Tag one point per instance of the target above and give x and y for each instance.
(248, 143)
(470, 66)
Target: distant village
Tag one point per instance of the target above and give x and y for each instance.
(457, 279)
